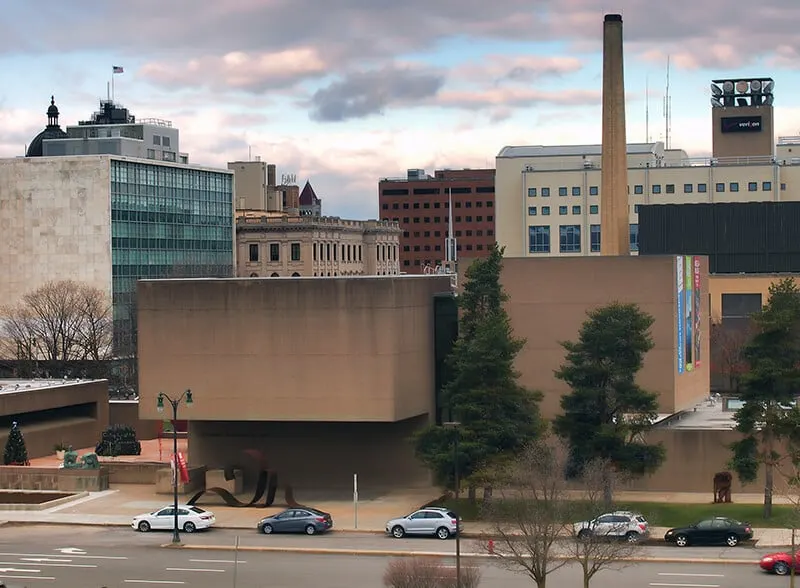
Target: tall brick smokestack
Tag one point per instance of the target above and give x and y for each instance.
(614, 228)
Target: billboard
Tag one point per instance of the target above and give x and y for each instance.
(688, 298)
(740, 124)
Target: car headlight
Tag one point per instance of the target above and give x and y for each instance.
(670, 532)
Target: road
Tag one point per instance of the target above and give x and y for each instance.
(64, 557)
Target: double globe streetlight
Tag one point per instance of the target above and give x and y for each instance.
(174, 402)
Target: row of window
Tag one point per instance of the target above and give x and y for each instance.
(178, 177)
(468, 233)
(417, 262)
(254, 252)
(468, 247)
(569, 238)
(322, 252)
(701, 188)
(430, 191)
(426, 205)
(438, 219)
(576, 209)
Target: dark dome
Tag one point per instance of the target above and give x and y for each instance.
(51, 131)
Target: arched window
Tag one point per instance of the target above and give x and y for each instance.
(253, 275)
(274, 275)
(295, 275)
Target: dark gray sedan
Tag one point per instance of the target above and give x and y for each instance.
(297, 520)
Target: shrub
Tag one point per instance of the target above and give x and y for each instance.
(118, 440)
(427, 572)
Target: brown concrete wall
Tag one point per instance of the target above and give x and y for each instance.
(342, 349)
(41, 437)
(760, 144)
(316, 455)
(126, 412)
(548, 301)
(30, 478)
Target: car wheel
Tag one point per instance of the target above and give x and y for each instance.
(443, 533)
(311, 530)
(632, 537)
(681, 541)
(144, 526)
(584, 535)
(189, 527)
(781, 569)
(732, 540)
(267, 529)
(398, 532)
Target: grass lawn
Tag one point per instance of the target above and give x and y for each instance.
(661, 514)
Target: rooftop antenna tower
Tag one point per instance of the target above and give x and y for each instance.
(667, 113)
(647, 108)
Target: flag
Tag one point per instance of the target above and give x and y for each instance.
(118, 69)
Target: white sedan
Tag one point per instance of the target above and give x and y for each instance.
(190, 519)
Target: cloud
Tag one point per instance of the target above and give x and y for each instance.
(523, 68)
(362, 94)
(237, 70)
(516, 97)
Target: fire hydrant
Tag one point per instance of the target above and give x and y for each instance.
(491, 546)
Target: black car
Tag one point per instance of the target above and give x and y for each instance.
(297, 520)
(716, 531)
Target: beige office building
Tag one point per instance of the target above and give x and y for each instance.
(279, 245)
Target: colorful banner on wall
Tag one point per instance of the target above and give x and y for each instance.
(680, 283)
(689, 299)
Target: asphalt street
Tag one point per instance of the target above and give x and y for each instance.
(66, 557)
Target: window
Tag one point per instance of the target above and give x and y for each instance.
(594, 209)
(783, 186)
(405, 205)
(484, 190)
(427, 219)
(638, 189)
(562, 191)
(656, 188)
(489, 203)
(766, 186)
(593, 191)
(562, 210)
(702, 188)
(385, 206)
(468, 219)
(636, 208)
(539, 239)
(406, 248)
(752, 186)
(437, 204)
(576, 190)
(274, 252)
(545, 211)
(670, 188)
(531, 192)
(156, 140)
(426, 205)
(688, 188)
(594, 237)
(720, 187)
(395, 206)
(458, 205)
(151, 154)
(531, 211)
(406, 262)
(576, 210)
(416, 205)
(545, 192)
(296, 251)
(569, 238)
(406, 220)
(253, 251)
(634, 233)
(734, 186)
(479, 204)
(468, 204)
(396, 192)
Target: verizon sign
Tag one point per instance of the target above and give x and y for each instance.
(741, 124)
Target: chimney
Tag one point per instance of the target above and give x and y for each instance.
(614, 228)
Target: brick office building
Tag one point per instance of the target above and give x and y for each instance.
(420, 203)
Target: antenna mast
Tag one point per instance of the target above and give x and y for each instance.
(667, 113)
(647, 108)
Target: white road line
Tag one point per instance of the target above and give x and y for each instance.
(49, 565)
(692, 575)
(116, 557)
(40, 559)
(686, 585)
(27, 577)
(194, 570)
(153, 582)
(217, 561)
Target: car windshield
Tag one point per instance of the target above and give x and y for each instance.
(196, 509)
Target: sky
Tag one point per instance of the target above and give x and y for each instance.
(345, 92)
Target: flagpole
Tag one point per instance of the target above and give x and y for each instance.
(112, 85)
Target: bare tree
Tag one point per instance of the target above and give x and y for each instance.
(531, 512)
(727, 352)
(595, 551)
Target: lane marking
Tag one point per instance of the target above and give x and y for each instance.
(194, 570)
(115, 557)
(691, 575)
(153, 582)
(217, 561)
(71, 550)
(52, 565)
(38, 559)
(26, 571)
(686, 585)
(27, 577)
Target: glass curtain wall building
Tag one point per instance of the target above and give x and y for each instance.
(167, 221)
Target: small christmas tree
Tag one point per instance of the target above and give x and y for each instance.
(15, 453)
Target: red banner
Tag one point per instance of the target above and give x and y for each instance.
(183, 469)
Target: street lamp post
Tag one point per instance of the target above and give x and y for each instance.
(456, 483)
(174, 402)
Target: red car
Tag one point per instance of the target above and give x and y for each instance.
(780, 563)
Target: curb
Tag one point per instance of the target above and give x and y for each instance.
(390, 553)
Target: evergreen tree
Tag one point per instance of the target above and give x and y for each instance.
(497, 416)
(768, 390)
(606, 412)
(15, 452)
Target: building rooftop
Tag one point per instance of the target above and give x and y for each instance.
(572, 150)
(713, 413)
(12, 386)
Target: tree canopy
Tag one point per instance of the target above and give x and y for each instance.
(496, 415)
(606, 411)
